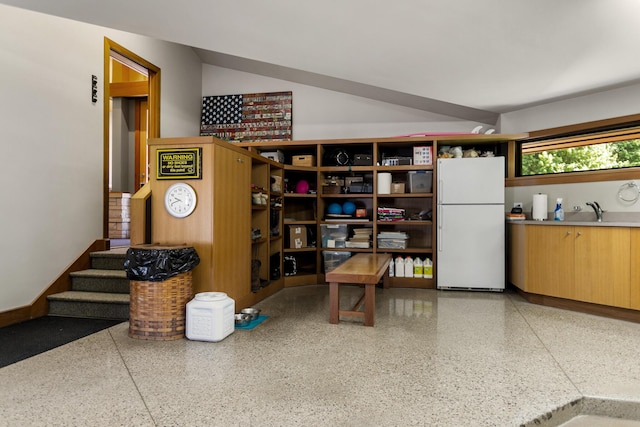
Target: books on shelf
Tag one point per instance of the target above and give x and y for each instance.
(390, 214)
(361, 238)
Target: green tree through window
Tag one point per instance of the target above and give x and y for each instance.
(587, 157)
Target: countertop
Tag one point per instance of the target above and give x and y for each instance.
(587, 219)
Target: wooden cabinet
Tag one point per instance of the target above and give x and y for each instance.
(550, 261)
(602, 261)
(635, 269)
(582, 263)
(231, 216)
(220, 228)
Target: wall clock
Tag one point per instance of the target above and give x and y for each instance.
(180, 200)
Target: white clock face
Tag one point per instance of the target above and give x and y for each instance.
(180, 200)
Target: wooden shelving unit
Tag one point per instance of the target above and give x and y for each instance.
(310, 209)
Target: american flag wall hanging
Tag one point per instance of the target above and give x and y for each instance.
(248, 117)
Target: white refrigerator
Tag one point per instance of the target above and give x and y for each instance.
(471, 224)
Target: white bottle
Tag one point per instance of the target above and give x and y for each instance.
(408, 267)
(417, 268)
(399, 271)
(391, 268)
(427, 269)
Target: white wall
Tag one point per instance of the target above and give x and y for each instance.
(325, 114)
(51, 134)
(598, 106)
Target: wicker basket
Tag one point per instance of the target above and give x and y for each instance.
(158, 309)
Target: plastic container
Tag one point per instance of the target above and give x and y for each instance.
(210, 317)
(332, 259)
(334, 234)
(417, 268)
(558, 214)
(399, 267)
(392, 268)
(427, 269)
(408, 267)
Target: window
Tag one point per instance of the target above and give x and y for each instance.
(597, 151)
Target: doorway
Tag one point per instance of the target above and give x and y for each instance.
(131, 116)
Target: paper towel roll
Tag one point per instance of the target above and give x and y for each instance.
(539, 211)
(384, 183)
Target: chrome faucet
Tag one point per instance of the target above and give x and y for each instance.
(597, 209)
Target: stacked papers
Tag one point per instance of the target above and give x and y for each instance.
(392, 240)
(361, 238)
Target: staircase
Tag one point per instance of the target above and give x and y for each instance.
(101, 292)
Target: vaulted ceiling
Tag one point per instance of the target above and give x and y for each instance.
(471, 59)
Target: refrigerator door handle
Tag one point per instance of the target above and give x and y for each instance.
(440, 190)
(440, 224)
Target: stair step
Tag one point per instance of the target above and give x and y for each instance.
(95, 305)
(109, 260)
(98, 280)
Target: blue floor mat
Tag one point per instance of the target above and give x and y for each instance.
(261, 318)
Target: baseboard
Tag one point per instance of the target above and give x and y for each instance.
(583, 307)
(40, 307)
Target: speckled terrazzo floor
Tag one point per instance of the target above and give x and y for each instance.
(433, 358)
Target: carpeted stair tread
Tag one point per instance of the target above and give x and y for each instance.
(111, 253)
(99, 273)
(80, 296)
(109, 260)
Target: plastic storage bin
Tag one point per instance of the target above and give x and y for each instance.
(210, 317)
(420, 181)
(332, 259)
(337, 233)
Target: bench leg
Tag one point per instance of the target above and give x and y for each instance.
(334, 301)
(369, 304)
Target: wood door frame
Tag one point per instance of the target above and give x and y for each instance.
(154, 113)
(141, 105)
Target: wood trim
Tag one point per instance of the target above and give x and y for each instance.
(587, 126)
(575, 177)
(448, 139)
(153, 89)
(137, 145)
(129, 89)
(139, 214)
(40, 306)
(106, 113)
(511, 159)
(582, 307)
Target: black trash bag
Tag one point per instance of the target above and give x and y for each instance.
(157, 265)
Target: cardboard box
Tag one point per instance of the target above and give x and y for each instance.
(303, 160)
(422, 155)
(277, 155)
(397, 187)
(297, 236)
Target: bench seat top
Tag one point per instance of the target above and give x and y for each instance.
(360, 268)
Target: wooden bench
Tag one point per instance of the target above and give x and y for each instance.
(366, 269)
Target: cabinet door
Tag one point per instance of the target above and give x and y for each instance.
(602, 265)
(231, 270)
(550, 260)
(516, 254)
(635, 269)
